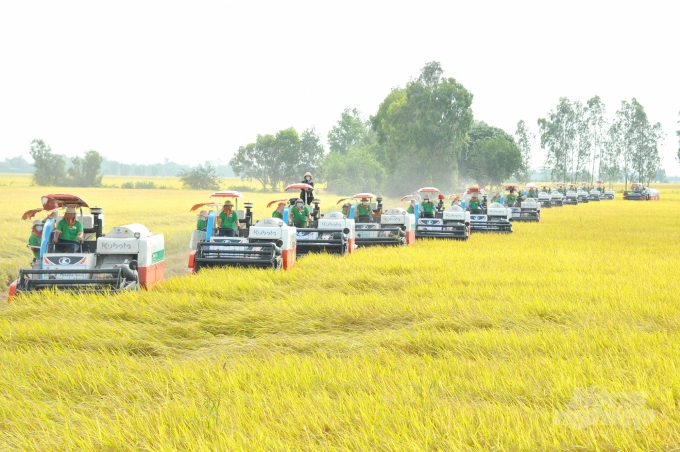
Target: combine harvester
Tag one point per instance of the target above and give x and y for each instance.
(270, 243)
(596, 193)
(606, 195)
(332, 233)
(396, 227)
(529, 208)
(582, 194)
(492, 218)
(126, 258)
(451, 223)
(570, 196)
(545, 197)
(639, 192)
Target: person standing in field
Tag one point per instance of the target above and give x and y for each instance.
(35, 240)
(202, 221)
(300, 214)
(364, 211)
(428, 208)
(227, 221)
(69, 232)
(307, 195)
(278, 213)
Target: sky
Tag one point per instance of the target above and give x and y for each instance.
(141, 81)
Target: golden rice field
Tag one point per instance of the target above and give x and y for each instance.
(562, 336)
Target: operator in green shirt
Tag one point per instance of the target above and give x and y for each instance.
(300, 214)
(68, 232)
(496, 198)
(428, 208)
(202, 221)
(364, 211)
(475, 203)
(227, 221)
(411, 207)
(278, 213)
(35, 239)
(511, 199)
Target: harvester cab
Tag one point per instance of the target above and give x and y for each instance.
(529, 207)
(605, 195)
(332, 233)
(557, 196)
(582, 193)
(595, 193)
(495, 217)
(391, 227)
(127, 257)
(448, 223)
(544, 196)
(571, 196)
(513, 200)
(269, 243)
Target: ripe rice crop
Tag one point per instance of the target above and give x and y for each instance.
(561, 336)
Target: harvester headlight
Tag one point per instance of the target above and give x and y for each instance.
(137, 235)
(279, 243)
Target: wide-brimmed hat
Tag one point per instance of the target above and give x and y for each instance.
(475, 195)
(227, 203)
(70, 210)
(308, 174)
(282, 204)
(364, 199)
(37, 223)
(203, 213)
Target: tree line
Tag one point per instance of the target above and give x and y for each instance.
(425, 134)
(581, 144)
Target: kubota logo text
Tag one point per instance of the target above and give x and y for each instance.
(264, 233)
(116, 246)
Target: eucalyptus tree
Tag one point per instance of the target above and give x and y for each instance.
(558, 134)
(638, 141)
(581, 150)
(597, 128)
(610, 157)
(525, 140)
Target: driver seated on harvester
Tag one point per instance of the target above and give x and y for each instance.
(511, 199)
(300, 214)
(227, 221)
(475, 205)
(364, 211)
(345, 209)
(68, 235)
(496, 198)
(428, 208)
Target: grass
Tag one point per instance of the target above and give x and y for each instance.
(561, 336)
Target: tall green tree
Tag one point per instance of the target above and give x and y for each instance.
(597, 126)
(357, 170)
(49, 167)
(350, 131)
(278, 159)
(202, 177)
(525, 140)
(558, 135)
(423, 130)
(638, 140)
(85, 171)
(494, 160)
